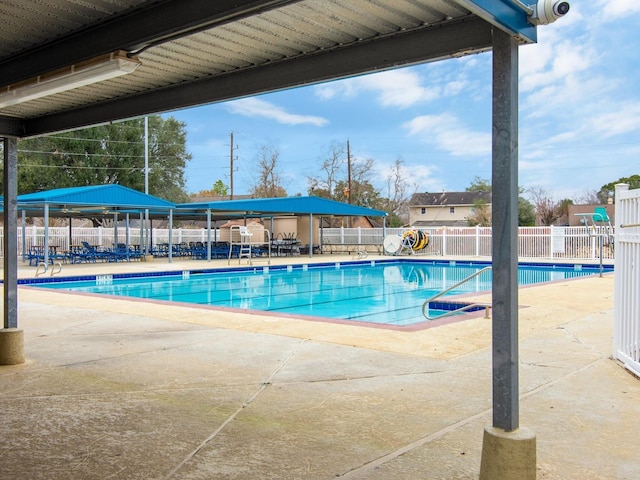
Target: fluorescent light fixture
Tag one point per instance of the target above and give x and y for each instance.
(85, 73)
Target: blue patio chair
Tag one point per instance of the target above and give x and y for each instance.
(123, 252)
(35, 255)
(198, 251)
(54, 255)
(91, 253)
(160, 250)
(75, 254)
(220, 250)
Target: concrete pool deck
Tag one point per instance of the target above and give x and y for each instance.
(114, 388)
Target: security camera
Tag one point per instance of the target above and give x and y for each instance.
(548, 11)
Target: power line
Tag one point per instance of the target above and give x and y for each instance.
(105, 155)
(107, 141)
(79, 167)
(231, 160)
(72, 154)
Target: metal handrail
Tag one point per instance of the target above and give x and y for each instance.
(425, 305)
(53, 268)
(597, 232)
(41, 264)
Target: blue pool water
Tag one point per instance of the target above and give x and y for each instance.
(385, 292)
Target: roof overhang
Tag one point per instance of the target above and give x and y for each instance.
(194, 52)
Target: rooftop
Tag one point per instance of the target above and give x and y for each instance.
(449, 198)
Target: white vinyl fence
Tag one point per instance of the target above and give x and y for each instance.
(626, 330)
(577, 243)
(99, 236)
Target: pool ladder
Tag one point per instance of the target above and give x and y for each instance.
(487, 306)
(45, 268)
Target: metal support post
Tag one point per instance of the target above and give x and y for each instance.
(10, 239)
(505, 231)
(208, 234)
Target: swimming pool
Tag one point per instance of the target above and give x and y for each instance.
(378, 292)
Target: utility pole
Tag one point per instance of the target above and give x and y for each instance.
(348, 172)
(146, 155)
(231, 170)
(145, 242)
(348, 179)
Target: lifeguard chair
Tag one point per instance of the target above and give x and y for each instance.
(601, 225)
(598, 225)
(240, 243)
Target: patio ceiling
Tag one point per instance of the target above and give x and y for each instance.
(193, 52)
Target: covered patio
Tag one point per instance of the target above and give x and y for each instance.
(131, 58)
(120, 203)
(267, 209)
(112, 201)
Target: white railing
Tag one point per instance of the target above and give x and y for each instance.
(533, 242)
(626, 330)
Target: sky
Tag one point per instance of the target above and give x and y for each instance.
(579, 122)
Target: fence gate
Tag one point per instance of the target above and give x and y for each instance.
(626, 329)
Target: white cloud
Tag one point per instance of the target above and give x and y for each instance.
(615, 9)
(425, 178)
(418, 176)
(619, 120)
(347, 88)
(254, 107)
(448, 133)
(325, 91)
(554, 63)
(400, 88)
(454, 88)
(576, 84)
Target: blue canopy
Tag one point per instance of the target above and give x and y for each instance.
(90, 198)
(281, 206)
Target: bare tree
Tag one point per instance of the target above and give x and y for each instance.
(548, 210)
(398, 194)
(362, 192)
(480, 215)
(323, 184)
(268, 180)
(588, 198)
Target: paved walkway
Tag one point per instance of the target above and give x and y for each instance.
(128, 390)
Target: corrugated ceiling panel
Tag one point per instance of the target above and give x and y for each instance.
(298, 29)
(32, 22)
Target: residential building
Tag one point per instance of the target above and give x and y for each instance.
(576, 217)
(445, 209)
